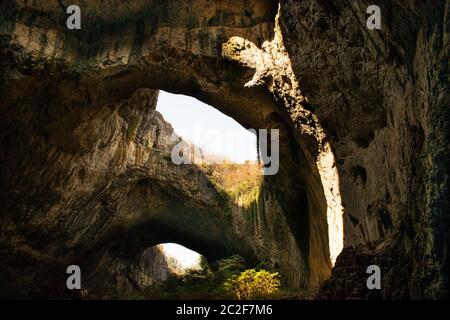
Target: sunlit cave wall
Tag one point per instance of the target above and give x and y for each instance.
(382, 96)
(329, 175)
(314, 161)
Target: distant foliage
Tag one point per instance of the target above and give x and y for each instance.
(227, 278)
(240, 182)
(253, 284)
(204, 283)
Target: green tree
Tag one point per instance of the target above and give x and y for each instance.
(252, 284)
(231, 266)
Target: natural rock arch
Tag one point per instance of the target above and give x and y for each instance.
(230, 56)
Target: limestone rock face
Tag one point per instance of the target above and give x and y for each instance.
(99, 193)
(122, 277)
(383, 98)
(364, 136)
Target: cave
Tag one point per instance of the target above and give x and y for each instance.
(86, 176)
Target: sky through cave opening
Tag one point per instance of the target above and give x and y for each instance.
(219, 136)
(227, 147)
(179, 258)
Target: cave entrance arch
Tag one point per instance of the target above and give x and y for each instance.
(230, 57)
(286, 226)
(301, 208)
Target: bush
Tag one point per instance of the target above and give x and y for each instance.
(253, 284)
(227, 278)
(230, 266)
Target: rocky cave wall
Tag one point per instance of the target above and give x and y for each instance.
(97, 187)
(363, 118)
(383, 98)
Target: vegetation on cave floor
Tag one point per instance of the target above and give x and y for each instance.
(228, 278)
(239, 182)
